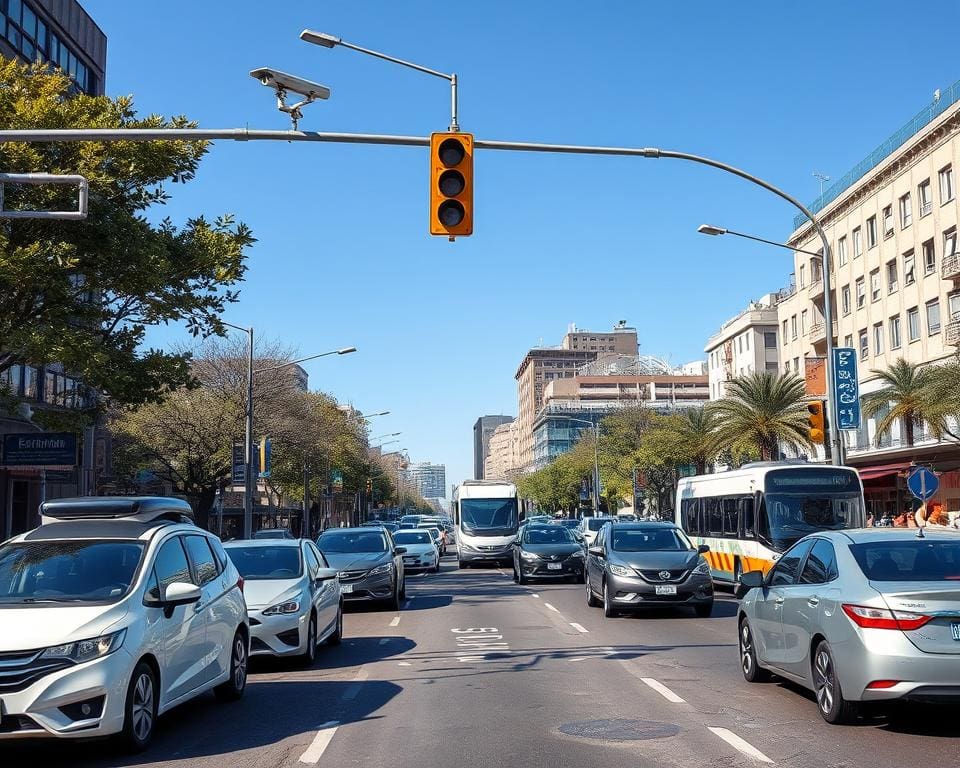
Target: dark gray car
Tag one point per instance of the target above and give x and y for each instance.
(370, 565)
(637, 565)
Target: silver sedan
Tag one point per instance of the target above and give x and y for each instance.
(858, 616)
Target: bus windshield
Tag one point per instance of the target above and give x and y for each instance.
(488, 517)
(800, 502)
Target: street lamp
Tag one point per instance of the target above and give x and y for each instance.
(596, 458)
(389, 434)
(836, 444)
(330, 41)
(371, 415)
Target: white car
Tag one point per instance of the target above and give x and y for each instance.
(113, 611)
(590, 527)
(293, 598)
(421, 551)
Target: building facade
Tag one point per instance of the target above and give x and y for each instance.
(483, 429)
(502, 460)
(429, 480)
(892, 228)
(744, 344)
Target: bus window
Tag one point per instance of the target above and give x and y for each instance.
(730, 522)
(713, 517)
(689, 520)
(746, 517)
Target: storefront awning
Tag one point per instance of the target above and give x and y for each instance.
(882, 470)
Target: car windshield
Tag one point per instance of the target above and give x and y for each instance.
(277, 533)
(914, 560)
(553, 534)
(352, 542)
(652, 540)
(255, 563)
(413, 537)
(596, 523)
(571, 523)
(489, 517)
(68, 571)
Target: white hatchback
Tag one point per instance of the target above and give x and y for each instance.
(113, 611)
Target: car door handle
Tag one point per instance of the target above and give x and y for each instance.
(813, 602)
(778, 601)
(198, 606)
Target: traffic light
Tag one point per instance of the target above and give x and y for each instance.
(451, 184)
(817, 421)
(369, 486)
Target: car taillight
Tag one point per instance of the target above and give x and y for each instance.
(882, 618)
(240, 582)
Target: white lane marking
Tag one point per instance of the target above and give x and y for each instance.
(353, 690)
(403, 663)
(320, 742)
(395, 621)
(579, 658)
(536, 595)
(663, 690)
(551, 608)
(384, 640)
(739, 744)
(579, 627)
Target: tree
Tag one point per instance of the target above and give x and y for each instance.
(84, 293)
(762, 410)
(909, 395)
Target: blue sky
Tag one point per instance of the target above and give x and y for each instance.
(344, 257)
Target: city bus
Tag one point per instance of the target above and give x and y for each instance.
(750, 516)
(487, 517)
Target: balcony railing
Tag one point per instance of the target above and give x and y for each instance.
(818, 331)
(815, 291)
(953, 333)
(950, 270)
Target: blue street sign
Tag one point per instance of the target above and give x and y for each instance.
(923, 483)
(846, 388)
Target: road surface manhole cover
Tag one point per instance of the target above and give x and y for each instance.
(620, 730)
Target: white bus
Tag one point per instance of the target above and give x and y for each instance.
(487, 516)
(751, 515)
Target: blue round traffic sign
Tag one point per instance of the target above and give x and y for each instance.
(923, 483)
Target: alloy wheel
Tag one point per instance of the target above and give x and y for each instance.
(746, 649)
(823, 679)
(143, 695)
(239, 662)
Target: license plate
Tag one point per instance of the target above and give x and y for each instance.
(344, 588)
(955, 630)
(554, 566)
(665, 589)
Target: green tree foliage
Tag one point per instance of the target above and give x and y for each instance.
(84, 293)
(911, 394)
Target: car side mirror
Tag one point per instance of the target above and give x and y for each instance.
(597, 551)
(400, 550)
(749, 580)
(325, 574)
(703, 549)
(180, 593)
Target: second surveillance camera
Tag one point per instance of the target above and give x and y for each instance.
(273, 78)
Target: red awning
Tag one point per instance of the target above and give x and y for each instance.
(882, 470)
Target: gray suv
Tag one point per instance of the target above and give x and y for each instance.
(370, 565)
(637, 565)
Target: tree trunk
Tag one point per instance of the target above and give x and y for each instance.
(701, 466)
(204, 503)
(908, 428)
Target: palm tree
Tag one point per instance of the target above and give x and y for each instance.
(761, 410)
(907, 396)
(697, 429)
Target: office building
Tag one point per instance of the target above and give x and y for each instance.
(429, 480)
(502, 461)
(482, 431)
(744, 344)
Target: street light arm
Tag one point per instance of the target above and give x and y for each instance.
(344, 351)
(706, 229)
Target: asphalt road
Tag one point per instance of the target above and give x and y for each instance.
(476, 671)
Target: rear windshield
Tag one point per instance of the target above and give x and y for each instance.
(596, 523)
(659, 540)
(413, 537)
(267, 562)
(914, 560)
(353, 542)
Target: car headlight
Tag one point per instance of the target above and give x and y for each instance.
(290, 606)
(578, 555)
(529, 556)
(86, 650)
(703, 567)
(621, 570)
(385, 568)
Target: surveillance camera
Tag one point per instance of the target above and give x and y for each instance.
(273, 78)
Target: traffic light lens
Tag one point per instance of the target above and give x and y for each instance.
(450, 213)
(451, 183)
(451, 153)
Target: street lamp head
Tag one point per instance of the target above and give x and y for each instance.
(709, 229)
(319, 38)
(346, 350)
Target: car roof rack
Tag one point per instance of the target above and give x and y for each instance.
(144, 509)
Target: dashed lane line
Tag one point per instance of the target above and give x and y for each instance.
(354, 689)
(395, 621)
(320, 743)
(536, 595)
(663, 690)
(403, 663)
(579, 627)
(551, 608)
(739, 744)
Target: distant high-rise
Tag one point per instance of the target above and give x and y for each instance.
(429, 480)
(482, 431)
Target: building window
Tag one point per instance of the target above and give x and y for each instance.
(929, 257)
(875, 285)
(748, 342)
(857, 243)
(861, 293)
(946, 184)
(878, 339)
(803, 276)
(740, 344)
(909, 268)
(950, 242)
(953, 306)
(892, 276)
(845, 299)
(871, 231)
(895, 332)
(848, 340)
(796, 365)
(933, 317)
(913, 323)
(784, 332)
(793, 327)
(888, 221)
(803, 321)
(864, 344)
(925, 198)
(769, 339)
(906, 211)
(842, 250)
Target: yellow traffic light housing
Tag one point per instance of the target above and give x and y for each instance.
(451, 184)
(817, 422)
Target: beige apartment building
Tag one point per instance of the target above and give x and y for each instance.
(892, 228)
(744, 344)
(502, 454)
(544, 364)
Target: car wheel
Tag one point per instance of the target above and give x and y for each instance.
(310, 655)
(403, 588)
(833, 707)
(752, 671)
(234, 687)
(521, 579)
(140, 711)
(393, 603)
(608, 610)
(436, 568)
(337, 637)
(704, 610)
(591, 598)
(461, 564)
